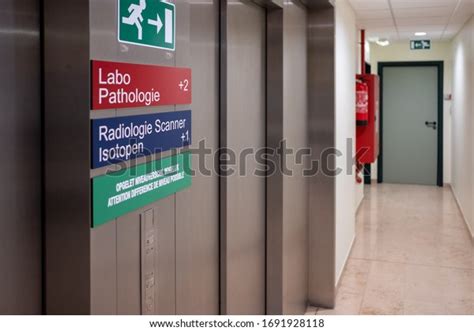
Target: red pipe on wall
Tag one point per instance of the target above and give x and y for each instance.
(362, 51)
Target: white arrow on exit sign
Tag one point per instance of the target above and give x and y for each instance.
(168, 25)
(158, 23)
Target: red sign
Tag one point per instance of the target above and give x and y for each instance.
(125, 85)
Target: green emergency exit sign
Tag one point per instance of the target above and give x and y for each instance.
(149, 23)
(420, 44)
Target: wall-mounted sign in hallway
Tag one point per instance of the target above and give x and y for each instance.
(150, 23)
(420, 44)
(117, 194)
(125, 85)
(126, 138)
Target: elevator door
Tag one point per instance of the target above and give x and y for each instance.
(244, 269)
(20, 159)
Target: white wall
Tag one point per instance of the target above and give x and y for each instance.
(463, 121)
(440, 51)
(346, 64)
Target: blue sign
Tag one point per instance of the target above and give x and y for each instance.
(121, 139)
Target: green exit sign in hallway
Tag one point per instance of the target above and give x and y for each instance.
(149, 23)
(420, 45)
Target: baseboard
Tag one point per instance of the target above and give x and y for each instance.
(345, 264)
(466, 222)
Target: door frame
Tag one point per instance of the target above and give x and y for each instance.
(440, 66)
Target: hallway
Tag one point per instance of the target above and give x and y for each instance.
(412, 255)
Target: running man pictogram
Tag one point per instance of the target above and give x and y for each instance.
(136, 17)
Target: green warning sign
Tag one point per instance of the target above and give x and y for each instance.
(120, 193)
(150, 23)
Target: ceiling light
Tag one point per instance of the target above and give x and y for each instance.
(383, 42)
(420, 34)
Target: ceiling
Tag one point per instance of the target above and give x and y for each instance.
(398, 20)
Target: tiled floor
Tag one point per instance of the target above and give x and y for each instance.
(412, 255)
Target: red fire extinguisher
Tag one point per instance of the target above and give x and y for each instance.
(362, 103)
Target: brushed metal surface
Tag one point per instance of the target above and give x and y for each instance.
(243, 230)
(295, 193)
(165, 257)
(187, 224)
(129, 269)
(104, 266)
(106, 292)
(128, 264)
(197, 209)
(20, 160)
(67, 159)
(321, 86)
(274, 181)
(104, 46)
(287, 195)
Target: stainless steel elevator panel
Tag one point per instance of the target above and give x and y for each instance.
(186, 261)
(165, 257)
(130, 290)
(20, 159)
(197, 209)
(295, 193)
(133, 269)
(275, 203)
(67, 157)
(287, 193)
(104, 263)
(243, 126)
(321, 86)
(129, 294)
